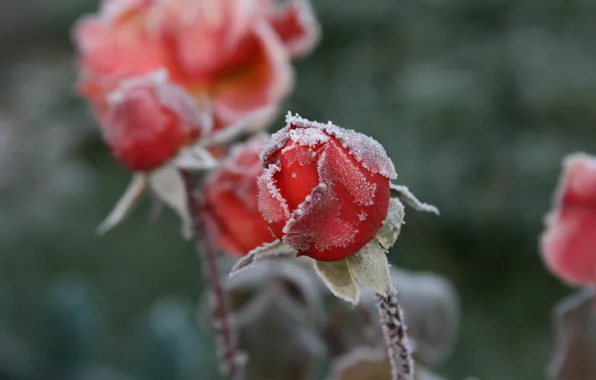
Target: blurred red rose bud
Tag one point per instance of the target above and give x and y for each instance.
(324, 190)
(568, 244)
(230, 197)
(147, 120)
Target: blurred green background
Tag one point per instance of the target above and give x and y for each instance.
(476, 101)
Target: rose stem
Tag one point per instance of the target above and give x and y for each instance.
(231, 362)
(396, 339)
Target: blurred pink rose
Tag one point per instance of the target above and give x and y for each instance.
(569, 243)
(232, 55)
(148, 120)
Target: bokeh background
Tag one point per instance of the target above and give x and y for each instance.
(476, 101)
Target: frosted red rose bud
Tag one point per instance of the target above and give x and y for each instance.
(148, 120)
(324, 190)
(568, 245)
(230, 196)
(325, 193)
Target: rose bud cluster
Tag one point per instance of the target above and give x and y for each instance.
(568, 244)
(173, 82)
(325, 193)
(232, 56)
(230, 199)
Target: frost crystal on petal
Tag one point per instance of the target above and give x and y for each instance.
(335, 167)
(272, 204)
(308, 136)
(364, 149)
(278, 140)
(318, 221)
(296, 153)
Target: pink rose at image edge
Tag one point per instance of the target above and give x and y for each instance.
(568, 245)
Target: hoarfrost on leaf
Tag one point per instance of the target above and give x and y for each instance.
(266, 251)
(131, 196)
(168, 185)
(405, 195)
(389, 232)
(336, 275)
(370, 268)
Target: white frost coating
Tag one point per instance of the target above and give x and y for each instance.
(295, 153)
(389, 232)
(405, 195)
(334, 167)
(370, 268)
(278, 140)
(336, 275)
(364, 149)
(308, 136)
(272, 204)
(362, 216)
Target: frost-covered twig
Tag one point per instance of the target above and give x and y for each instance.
(394, 330)
(231, 361)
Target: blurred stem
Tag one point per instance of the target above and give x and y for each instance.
(396, 339)
(231, 362)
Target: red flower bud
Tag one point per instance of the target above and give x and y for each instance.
(569, 244)
(230, 196)
(324, 190)
(147, 120)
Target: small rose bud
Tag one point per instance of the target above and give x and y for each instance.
(324, 190)
(148, 120)
(230, 196)
(568, 244)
